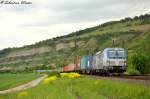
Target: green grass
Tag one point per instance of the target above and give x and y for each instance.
(84, 88)
(9, 80)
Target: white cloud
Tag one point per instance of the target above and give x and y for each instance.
(26, 24)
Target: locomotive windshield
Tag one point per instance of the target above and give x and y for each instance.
(111, 54)
(116, 54)
(120, 54)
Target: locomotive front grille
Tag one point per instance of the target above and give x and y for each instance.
(112, 63)
(121, 63)
(116, 63)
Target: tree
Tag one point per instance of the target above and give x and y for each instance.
(141, 62)
(91, 45)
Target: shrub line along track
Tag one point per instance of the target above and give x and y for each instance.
(144, 80)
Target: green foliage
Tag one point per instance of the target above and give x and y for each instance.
(53, 73)
(61, 62)
(41, 67)
(132, 72)
(140, 62)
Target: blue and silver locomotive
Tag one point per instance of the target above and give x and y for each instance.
(111, 59)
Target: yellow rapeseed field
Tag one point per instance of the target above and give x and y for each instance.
(70, 75)
(22, 94)
(67, 75)
(49, 79)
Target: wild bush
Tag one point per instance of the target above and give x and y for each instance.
(53, 73)
(140, 62)
(132, 72)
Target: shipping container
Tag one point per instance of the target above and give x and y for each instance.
(77, 64)
(89, 61)
(71, 67)
(65, 68)
(94, 62)
(83, 62)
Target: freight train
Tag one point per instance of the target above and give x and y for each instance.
(110, 60)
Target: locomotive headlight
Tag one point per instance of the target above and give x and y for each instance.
(125, 62)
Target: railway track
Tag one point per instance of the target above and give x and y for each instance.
(140, 77)
(144, 80)
(146, 77)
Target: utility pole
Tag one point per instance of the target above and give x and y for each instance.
(75, 48)
(113, 42)
(75, 43)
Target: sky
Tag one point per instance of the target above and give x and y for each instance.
(25, 24)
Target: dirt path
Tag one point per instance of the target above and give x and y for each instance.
(24, 86)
